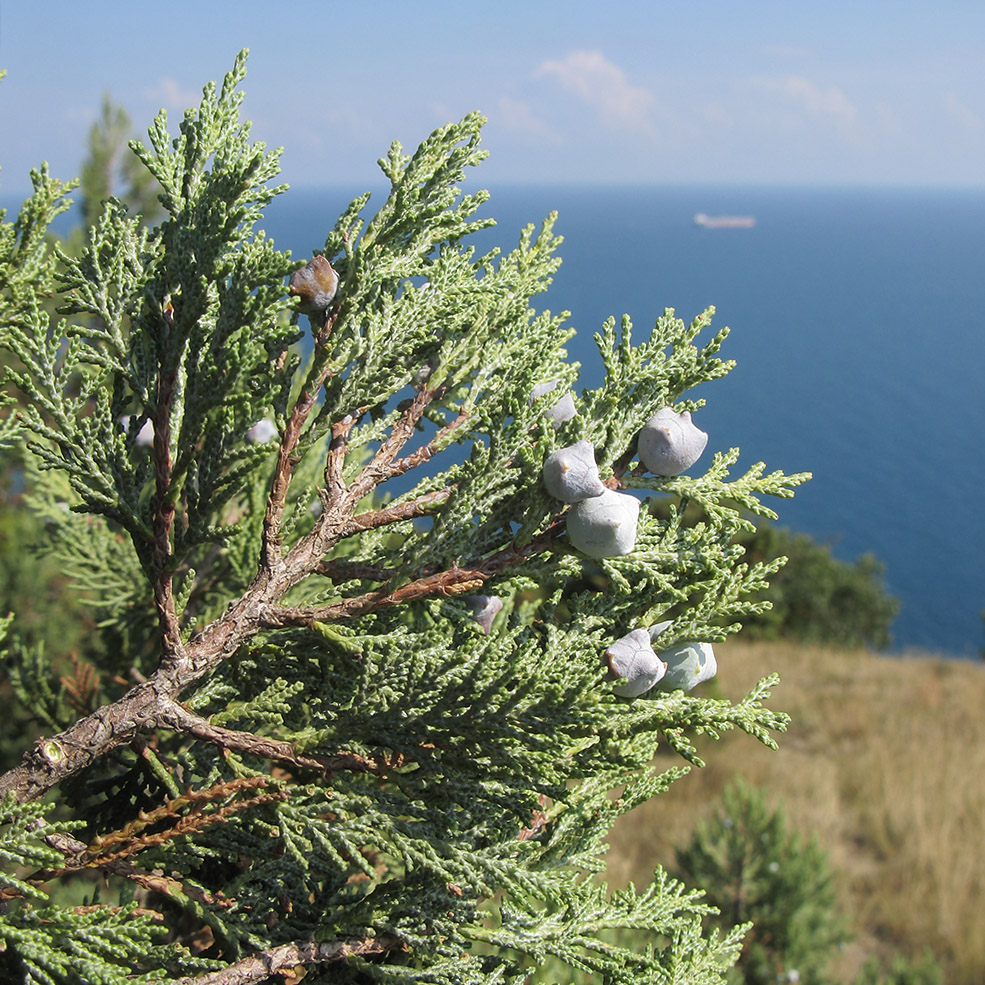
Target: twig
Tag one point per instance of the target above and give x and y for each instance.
(376, 470)
(452, 581)
(426, 452)
(260, 966)
(172, 809)
(396, 512)
(75, 850)
(286, 458)
(182, 720)
(342, 570)
(165, 504)
(334, 484)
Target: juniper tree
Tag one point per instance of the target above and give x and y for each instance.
(358, 716)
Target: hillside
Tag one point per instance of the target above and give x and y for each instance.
(885, 762)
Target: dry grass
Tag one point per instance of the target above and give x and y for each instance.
(885, 763)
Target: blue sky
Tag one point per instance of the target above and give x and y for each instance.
(659, 91)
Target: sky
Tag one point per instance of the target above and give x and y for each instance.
(612, 91)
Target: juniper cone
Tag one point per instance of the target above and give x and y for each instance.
(315, 284)
(571, 475)
(605, 526)
(670, 443)
(632, 661)
(296, 752)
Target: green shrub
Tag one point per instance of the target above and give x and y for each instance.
(753, 869)
(817, 598)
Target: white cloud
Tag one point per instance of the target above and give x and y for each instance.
(517, 115)
(831, 104)
(887, 119)
(962, 114)
(717, 115)
(169, 94)
(603, 85)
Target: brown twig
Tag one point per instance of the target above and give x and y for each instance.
(334, 484)
(164, 505)
(375, 471)
(130, 841)
(426, 452)
(342, 570)
(75, 850)
(191, 798)
(260, 966)
(182, 720)
(452, 581)
(286, 458)
(396, 512)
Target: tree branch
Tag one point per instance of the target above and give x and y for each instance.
(75, 853)
(452, 581)
(165, 505)
(286, 458)
(425, 453)
(342, 570)
(334, 484)
(148, 705)
(260, 966)
(376, 470)
(180, 719)
(410, 510)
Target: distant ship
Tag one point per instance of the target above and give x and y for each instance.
(724, 221)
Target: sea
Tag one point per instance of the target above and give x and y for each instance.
(857, 321)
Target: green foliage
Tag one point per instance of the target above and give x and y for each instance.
(110, 172)
(322, 760)
(42, 944)
(900, 971)
(753, 869)
(817, 598)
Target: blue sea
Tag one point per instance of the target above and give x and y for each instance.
(858, 326)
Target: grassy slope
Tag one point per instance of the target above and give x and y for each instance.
(885, 762)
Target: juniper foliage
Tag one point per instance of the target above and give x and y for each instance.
(303, 750)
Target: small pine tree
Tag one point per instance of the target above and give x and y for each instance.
(110, 171)
(900, 971)
(355, 718)
(753, 869)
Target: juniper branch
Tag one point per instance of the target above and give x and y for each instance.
(75, 853)
(179, 718)
(279, 960)
(454, 580)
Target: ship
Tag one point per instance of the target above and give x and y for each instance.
(724, 221)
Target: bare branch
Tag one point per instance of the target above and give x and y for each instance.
(50, 761)
(182, 720)
(410, 510)
(334, 484)
(342, 570)
(452, 581)
(148, 705)
(164, 510)
(260, 966)
(426, 452)
(383, 465)
(286, 457)
(399, 436)
(75, 851)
